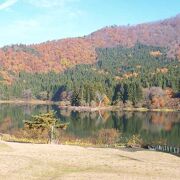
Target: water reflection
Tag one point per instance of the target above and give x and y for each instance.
(154, 127)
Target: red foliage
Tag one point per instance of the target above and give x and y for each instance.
(47, 56)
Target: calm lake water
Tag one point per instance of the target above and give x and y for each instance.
(153, 127)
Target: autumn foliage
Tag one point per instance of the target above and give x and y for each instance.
(62, 54)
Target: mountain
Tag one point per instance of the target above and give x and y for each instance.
(140, 76)
(59, 55)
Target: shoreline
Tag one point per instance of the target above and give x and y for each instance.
(86, 108)
(114, 108)
(35, 102)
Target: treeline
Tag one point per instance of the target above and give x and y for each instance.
(120, 76)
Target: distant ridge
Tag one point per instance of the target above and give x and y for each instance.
(59, 55)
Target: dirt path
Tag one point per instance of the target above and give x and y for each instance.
(33, 161)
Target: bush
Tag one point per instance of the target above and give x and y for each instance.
(119, 103)
(156, 97)
(135, 141)
(128, 104)
(43, 95)
(107, 136)
(139, 104)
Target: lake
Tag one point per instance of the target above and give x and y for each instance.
(153, 127)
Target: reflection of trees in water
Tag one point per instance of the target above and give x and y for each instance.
(158, 121)
(85, 124)
(6, 125)
(173, 135)
(167, 120)
(12, 115)
(27, 109)
(156, 127)
(82, 124)
(127, 120)
(151, 126)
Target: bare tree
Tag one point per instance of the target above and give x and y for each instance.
(155, 97)
(27, 94)
(100, 97)
(155, 92)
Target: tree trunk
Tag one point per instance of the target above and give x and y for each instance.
(51, 134)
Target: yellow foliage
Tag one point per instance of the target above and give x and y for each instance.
(65, 62)
(106, 100)
(135, 141)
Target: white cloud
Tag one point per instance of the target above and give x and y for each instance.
(59, 19)
(7, 4)
(50, 3)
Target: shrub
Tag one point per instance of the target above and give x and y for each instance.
(128, 104)
(135, 141)
(156, 97)
(139, 104)
(43, 95)
(119, 103)
(107, 136)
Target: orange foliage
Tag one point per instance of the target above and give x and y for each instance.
(158, 102)
(7, 79)
(50, 55)
(164, 120)
(169, 92)
(155, 53)
(118, 78)
(162, 70)
(128, 75)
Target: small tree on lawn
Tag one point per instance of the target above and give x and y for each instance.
(47, 122)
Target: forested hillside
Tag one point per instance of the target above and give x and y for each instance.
(141, 76)
(60, 55)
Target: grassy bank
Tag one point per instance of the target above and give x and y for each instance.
(45, 161)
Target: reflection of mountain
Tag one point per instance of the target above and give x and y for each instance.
(161, 121)
(149, 126)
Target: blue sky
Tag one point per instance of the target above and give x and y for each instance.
(34, 21)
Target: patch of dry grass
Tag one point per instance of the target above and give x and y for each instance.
(4, 147)
(45, 161)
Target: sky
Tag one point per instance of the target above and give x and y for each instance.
(35, 21)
